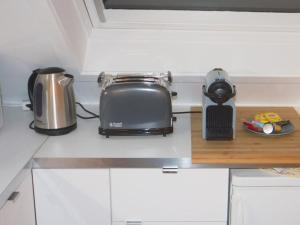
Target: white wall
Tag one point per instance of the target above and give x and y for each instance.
(32, 36)
(40, 33)
(251, 91)
(192, 43)
(260, 51)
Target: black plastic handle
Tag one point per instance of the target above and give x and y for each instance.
(30, 86)
(69, 76)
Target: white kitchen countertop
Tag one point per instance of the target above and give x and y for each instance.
(17, 146)
(85, 142)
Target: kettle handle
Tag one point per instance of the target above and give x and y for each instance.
(30, 86)
(69, 76)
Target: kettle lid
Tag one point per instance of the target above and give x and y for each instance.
(50, 70)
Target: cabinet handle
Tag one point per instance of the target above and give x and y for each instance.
(170, 170)
(14, 196)
(134, 222)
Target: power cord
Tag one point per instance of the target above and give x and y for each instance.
(94, 115)
(97, 116)
(186, 112)
(31, 125)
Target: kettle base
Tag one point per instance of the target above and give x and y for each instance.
(56, 132)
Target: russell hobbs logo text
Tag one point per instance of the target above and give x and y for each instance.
(116, 124)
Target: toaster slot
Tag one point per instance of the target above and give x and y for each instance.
(126, 79)
(107, 79)
(136, 77)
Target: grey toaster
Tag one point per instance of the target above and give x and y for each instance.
(135, 104)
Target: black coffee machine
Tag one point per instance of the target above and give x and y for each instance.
(219, 112)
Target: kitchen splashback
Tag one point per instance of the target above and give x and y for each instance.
(265, 91)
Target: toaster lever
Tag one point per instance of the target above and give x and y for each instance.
(170, 78)
(173, 93)
(100, 77)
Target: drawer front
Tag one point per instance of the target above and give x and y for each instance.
(265, 205)
(72, 196)
(19, 210)
(152, 195)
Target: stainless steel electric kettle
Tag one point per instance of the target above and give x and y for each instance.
(52, 100)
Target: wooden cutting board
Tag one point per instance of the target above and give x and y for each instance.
(248, 148)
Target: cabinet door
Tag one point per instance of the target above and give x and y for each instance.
(20, 209)
(72, 196)
(152, 195)
(265, 206)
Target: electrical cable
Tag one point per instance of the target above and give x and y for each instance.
(94, 115)
(186, 112)
(31, 125)
(86, 117)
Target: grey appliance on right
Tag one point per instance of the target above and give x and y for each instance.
(219, 111)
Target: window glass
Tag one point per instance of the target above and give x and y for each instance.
(207, 5)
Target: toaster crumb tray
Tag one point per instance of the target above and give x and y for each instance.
(135, 132)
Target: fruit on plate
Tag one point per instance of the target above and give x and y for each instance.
(268, 123)
(268, 117)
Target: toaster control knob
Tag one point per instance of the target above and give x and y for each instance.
(170, 78)
(173, 93)
(99, 79)
(174, 119)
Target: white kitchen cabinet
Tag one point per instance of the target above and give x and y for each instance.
(259, 198)
(72, 196)
(158, 198)
(20, 209)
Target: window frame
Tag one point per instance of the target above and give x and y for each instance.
(281, 6)
(102, 18)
